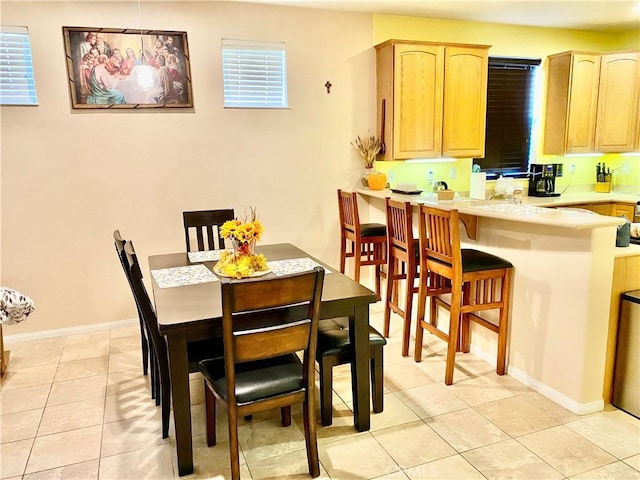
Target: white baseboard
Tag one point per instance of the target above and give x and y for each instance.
(550, 393)
(59, 332)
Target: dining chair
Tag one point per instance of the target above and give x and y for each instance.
(403, 258)
(335, 348)
(368, 241)
(147, 362)
(260, 370)
(206, 226)
(476, 280)
(196, 350)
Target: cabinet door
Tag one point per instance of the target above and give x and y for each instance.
(419, 70)
(603, 208)
(622, 210)
(617, 102)
(583, 96)
(465, 101)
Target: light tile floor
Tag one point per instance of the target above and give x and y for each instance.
(78, 407)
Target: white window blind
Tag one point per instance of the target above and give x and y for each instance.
(17, 85)
(254, 74)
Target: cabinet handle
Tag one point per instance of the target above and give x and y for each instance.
(382, 120)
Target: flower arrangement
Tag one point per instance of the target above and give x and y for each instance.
(242, 261)
(368, 149)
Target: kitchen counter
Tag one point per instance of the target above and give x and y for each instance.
(532, 209)
(564, 263)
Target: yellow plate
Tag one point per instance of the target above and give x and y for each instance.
(254, 274)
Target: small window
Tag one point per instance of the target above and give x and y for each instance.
(254, 74)
(17, 85)
(511, 92)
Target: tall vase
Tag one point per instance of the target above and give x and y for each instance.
(246, 247)
(365, 176)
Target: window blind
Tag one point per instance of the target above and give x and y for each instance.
(510, 109)
(254, 74)
(17, 85)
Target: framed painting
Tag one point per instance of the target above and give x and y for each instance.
(126, 68)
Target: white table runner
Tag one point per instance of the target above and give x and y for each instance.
(180, 276)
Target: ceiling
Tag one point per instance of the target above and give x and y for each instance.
(594, 15)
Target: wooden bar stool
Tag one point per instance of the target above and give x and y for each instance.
(476, 280)
(368, 240)
(402, 264)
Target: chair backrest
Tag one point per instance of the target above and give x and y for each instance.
(287, 309)
(348, 208)
(440, 236)
(206, 225)
(145, 307)
(400, 225)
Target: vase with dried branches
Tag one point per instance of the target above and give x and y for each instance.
(368, 148)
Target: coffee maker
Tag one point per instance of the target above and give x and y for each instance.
(542, 179)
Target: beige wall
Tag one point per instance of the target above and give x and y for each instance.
(70, 177)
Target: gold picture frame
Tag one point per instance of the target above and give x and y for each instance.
(111, 68)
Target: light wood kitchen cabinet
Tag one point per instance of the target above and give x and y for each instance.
(618, 97)
(431, 99)
(611, 209)
(592, 102)
(572, 96)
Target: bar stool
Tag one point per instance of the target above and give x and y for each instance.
(402, 264)
(476, 281)
(368, 240)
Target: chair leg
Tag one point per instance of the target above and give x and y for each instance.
(285, 416)
(377, 378)
(210, 411)
(408, 306)
(310, 437)
(422, 300)
(388, 294)
(503, 326)
(454, 326)
(326, 391)
(357, 256)
(343, 254)
(234, 449)
(145, 348)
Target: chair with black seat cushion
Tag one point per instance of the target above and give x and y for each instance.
(368, 241)
(265, 322)
(206, 225)
(119, 243)
(196, 351)
(403, 258)
(476, 280)
(334, 348)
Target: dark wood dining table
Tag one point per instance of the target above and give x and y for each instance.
(193, 312)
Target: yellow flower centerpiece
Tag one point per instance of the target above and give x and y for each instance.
(242, 261)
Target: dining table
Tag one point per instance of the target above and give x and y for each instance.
(188, 303)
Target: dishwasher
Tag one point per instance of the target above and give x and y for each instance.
(626, 377)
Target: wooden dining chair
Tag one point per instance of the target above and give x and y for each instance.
(476, 280)
(196, 350)
(335, 348)
(367, 241)
(206, 226)
(147, 362)
(403, 258)
(261, 370)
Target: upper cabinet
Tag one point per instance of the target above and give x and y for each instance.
(432, 99)
(592, 103)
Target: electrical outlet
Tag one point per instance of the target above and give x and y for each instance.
(452, 172)
(390, 177)
(572, 168)
(430, 175)
(625, 168)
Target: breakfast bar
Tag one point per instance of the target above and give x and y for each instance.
(564, 262)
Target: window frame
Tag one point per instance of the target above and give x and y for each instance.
(258, 78)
